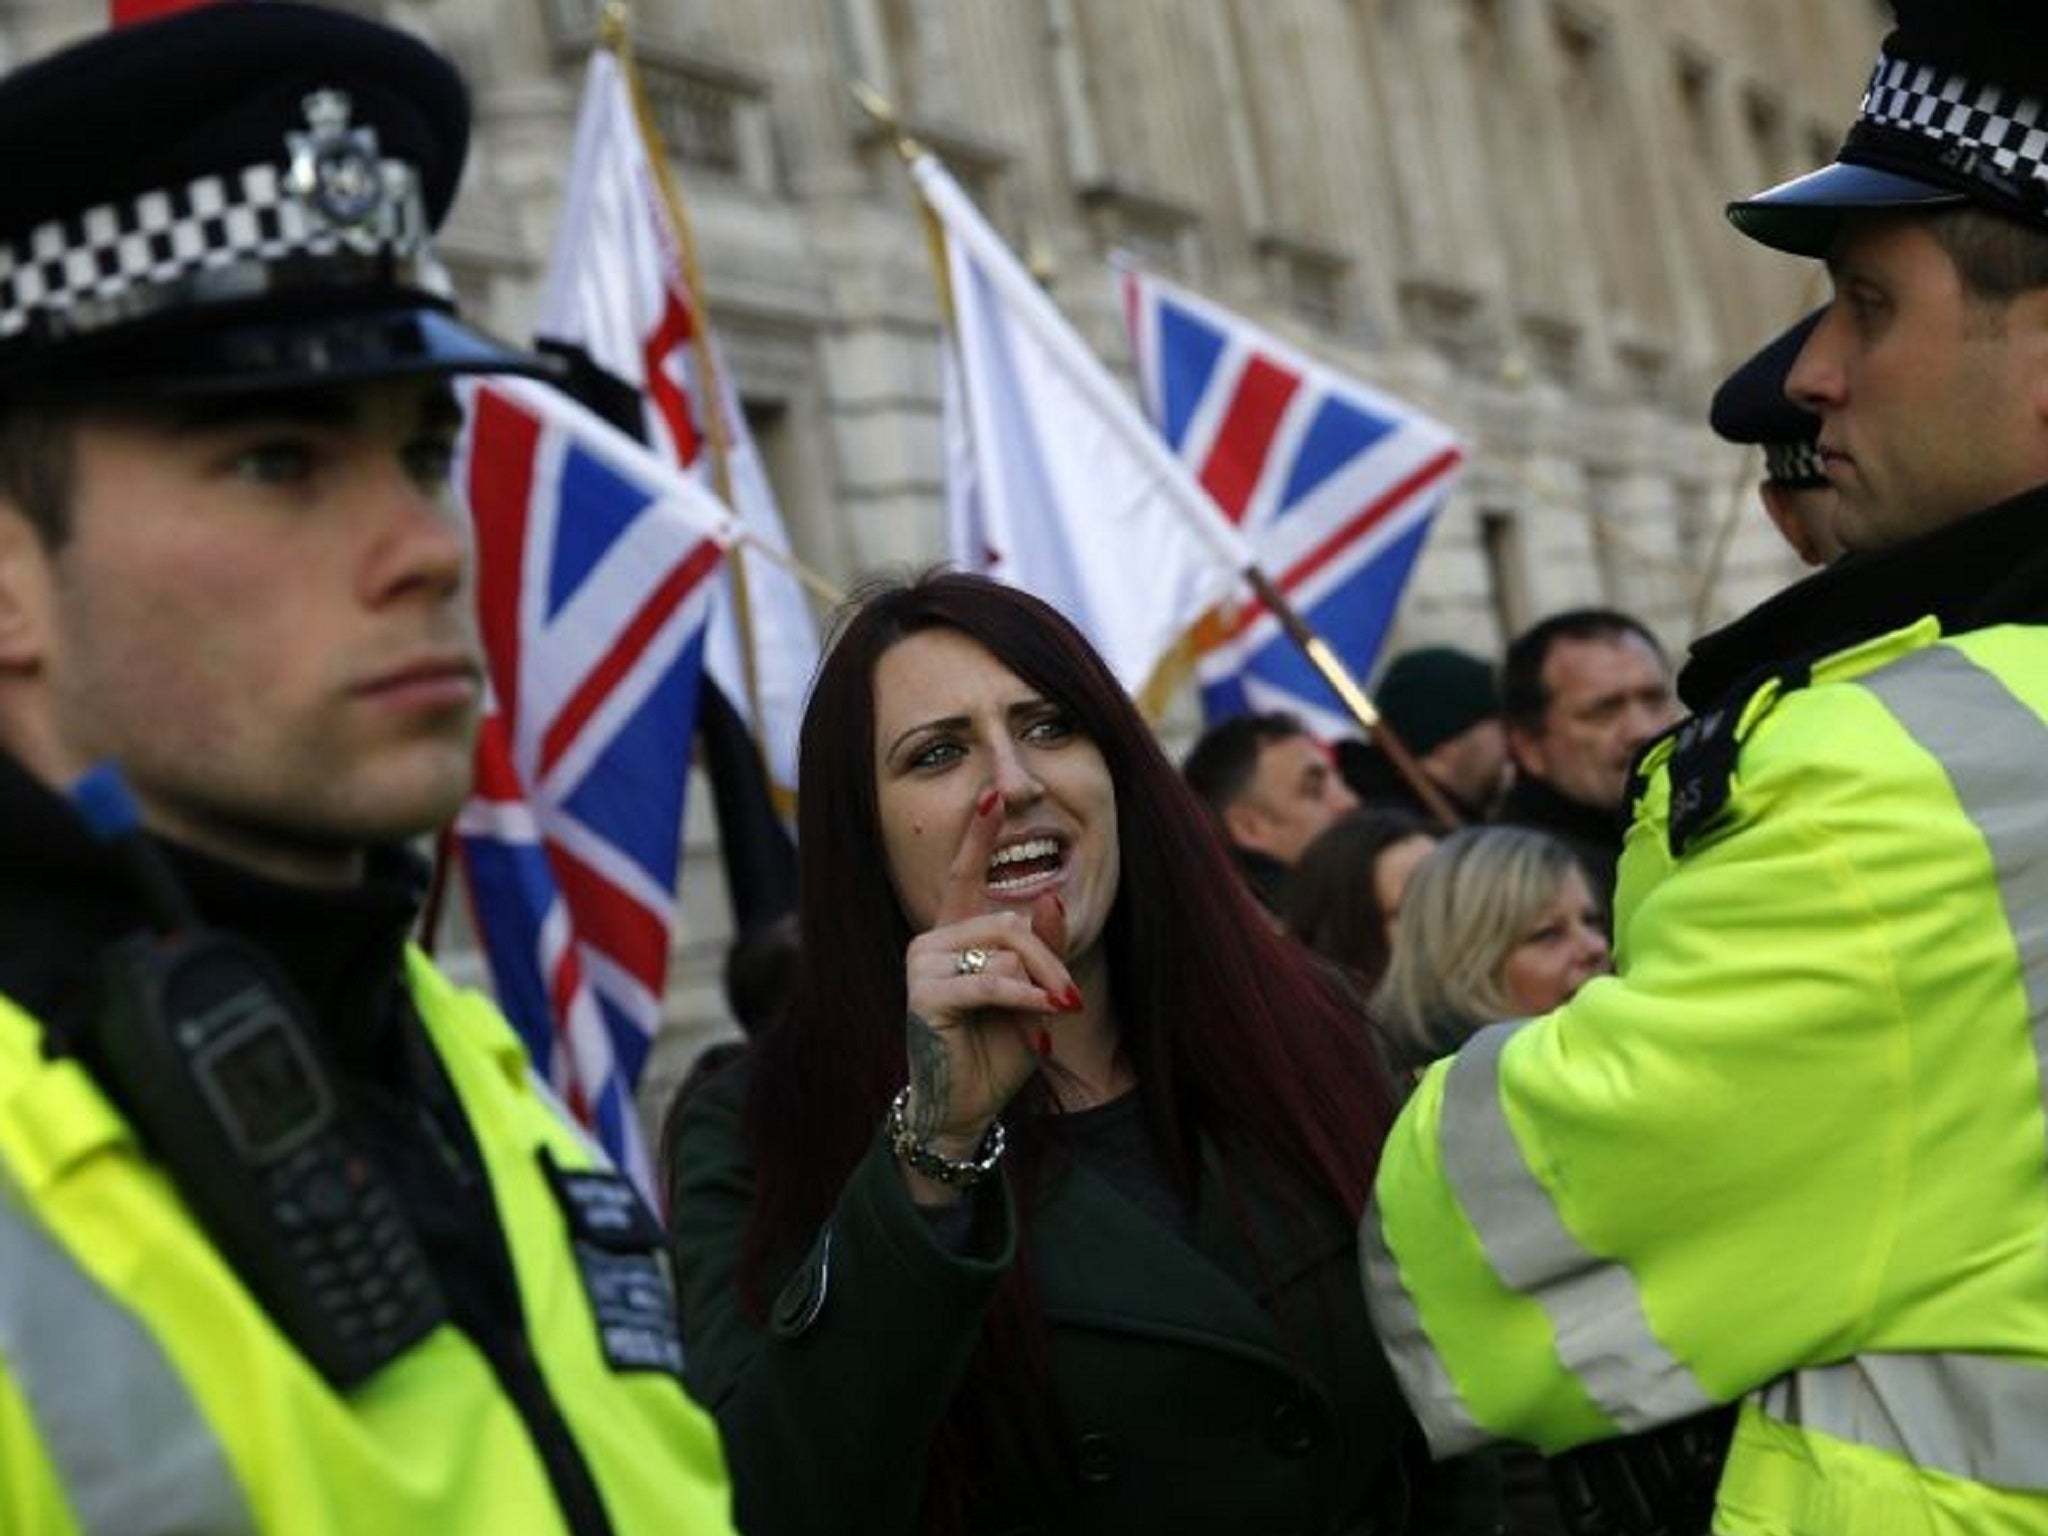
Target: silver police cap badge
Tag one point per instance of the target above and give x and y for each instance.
(336, 172)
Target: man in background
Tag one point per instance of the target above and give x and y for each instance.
(1442, 704)
(1583, 692)
(1271, 787)
(1752, 408)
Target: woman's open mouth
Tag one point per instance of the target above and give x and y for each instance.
(1026, 866)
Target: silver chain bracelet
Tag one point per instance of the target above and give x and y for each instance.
(922, 1157)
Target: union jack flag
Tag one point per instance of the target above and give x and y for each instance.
(1333, 482)
(595, 567)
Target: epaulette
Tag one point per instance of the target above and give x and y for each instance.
(1705, 746)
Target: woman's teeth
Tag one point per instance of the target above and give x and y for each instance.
(1021, 863)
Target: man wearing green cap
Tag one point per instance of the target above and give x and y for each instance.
(1442, 704)
(1794, 1155)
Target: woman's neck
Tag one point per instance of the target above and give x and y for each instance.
(1087, 1047)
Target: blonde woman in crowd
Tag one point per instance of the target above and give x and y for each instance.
(1497, 923)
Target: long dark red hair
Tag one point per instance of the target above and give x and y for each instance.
(1234, 1033)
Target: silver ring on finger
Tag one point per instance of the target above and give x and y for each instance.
(970, 962)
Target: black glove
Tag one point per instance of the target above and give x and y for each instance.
(1659, 1483)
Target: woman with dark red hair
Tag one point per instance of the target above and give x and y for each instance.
(1036, 1210)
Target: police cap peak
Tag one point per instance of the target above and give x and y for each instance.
(234, 197)
(1751, 407)
(1956, 113)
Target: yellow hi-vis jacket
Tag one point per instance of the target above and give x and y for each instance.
(143, 1391)
(1795, 1152)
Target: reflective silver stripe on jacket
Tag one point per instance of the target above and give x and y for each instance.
(1995, 752)
(1594, 1305)
(1976, 1417)
(1973, 1416)
(130, 1446)
(1420, 1370)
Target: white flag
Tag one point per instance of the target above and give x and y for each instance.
(1054, 481)
(616, 293)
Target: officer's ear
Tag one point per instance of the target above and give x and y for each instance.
(27, 591)
(2023, 324)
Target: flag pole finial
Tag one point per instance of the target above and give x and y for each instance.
(614, 26)
(883, 111)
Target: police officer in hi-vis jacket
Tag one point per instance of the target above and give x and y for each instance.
(1793, 1156)
(290, 1240)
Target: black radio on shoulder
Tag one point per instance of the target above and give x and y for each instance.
(207, 1049)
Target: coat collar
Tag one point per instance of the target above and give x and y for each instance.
(1533, 802)
(64, 897)
(1989, 568)
(1102, 1262)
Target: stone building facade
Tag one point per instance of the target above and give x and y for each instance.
(1507, 211)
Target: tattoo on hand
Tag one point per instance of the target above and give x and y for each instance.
(931, 1077)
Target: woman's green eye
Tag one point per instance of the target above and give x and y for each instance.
(935, 755)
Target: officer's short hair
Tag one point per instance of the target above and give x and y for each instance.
(1223, 762)
(1523, 695)
(35, 468)
(1997, 258)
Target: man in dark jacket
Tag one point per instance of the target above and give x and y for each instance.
(1583, 692)
(1272, 788)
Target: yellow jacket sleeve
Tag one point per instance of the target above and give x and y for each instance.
(1715, 1166)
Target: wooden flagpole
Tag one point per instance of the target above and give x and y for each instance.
(614, 35)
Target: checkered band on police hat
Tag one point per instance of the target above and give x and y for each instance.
(216, 237)
(1988, 133)
(1794, 464)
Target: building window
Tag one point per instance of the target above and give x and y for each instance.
(1160, 235)
(1507, 569)
(1766, 122)
(571, 23)
(698, 120)
(1449, 318)
(1312, 282)
(710, 112)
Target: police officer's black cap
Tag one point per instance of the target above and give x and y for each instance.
(1751, 407)
(231, 199)
(1956, 112)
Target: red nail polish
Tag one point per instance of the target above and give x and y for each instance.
(1044, 1042)
(986, 803)
(1070, 1000)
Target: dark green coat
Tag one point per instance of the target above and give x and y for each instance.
(1191, 1411)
